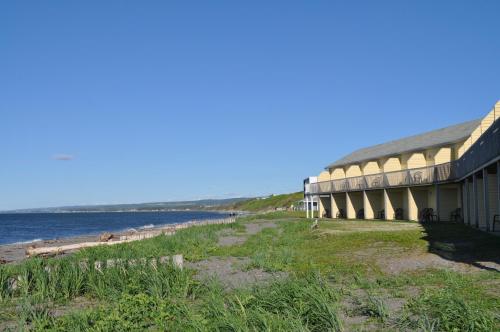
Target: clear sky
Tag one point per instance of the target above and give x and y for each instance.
(137, 101)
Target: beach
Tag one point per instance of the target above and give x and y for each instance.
(16, 252)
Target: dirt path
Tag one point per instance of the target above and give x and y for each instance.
(232, 272)
(230, 238)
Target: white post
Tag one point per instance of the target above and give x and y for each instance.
(307, 207)
(178, 261)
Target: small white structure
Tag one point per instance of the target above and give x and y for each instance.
(310, 201)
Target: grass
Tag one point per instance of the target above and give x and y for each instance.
(269, 203)
(337, 264)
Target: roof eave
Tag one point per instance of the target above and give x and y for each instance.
(334, 165)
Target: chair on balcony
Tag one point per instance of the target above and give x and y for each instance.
(417, 177)
(381, 214)
(398, 214)
(360, 214)
(456, 215)
(375, 183)
(341, 214)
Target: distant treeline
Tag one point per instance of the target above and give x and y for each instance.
(205, 204)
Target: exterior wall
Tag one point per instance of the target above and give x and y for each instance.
(448, 201)
(352, 171)
(321, 208)
(394, 199)
(371, 167)
(460, 149)
(443, 155)
(418, 198)
(414, 160)
(354, 202)
(391, 164)
(373, 203)
(338, 203)
(324, 207)
(475, 135)
(492, 196)
(324, 176)
(338, 173)
(467, 144)
(488, 121)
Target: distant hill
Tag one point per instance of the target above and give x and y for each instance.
(205, 204)
(253, 204)
(272, 202)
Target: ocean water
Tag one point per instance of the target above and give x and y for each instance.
(32, 227)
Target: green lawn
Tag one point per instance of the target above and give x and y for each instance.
(344, 276)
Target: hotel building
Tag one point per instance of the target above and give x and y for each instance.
(449, 174)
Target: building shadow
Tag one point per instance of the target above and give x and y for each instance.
(463, 244)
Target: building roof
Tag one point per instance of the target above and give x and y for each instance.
(439, 137)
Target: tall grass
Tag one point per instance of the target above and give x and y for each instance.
(296, 304)
(145, 297)
(457, 306)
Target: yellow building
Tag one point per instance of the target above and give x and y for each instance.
(449, 174)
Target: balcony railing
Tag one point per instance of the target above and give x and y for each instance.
(410, 177)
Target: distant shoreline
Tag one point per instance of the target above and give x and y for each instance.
(120, 211)
(16, 252)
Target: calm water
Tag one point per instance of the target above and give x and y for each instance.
(26, 227)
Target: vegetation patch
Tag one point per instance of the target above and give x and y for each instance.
(284, 276)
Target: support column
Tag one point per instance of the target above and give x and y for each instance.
(476, 200)
(369, 214)
(388, 208)
(467, 201)
(412, 205)
(438, 202)
(486, 199)
(350, 211)
(461, 197)
(333, 207)
(321, 208)
(498, 187)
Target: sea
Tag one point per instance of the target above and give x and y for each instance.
(34, 227)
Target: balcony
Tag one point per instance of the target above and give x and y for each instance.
(409, 177)
(483, 152)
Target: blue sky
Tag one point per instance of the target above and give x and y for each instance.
(164, 100)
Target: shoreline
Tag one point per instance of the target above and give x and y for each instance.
(16, 252)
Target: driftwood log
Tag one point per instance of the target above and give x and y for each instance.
(105, 237)
(167, 231)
